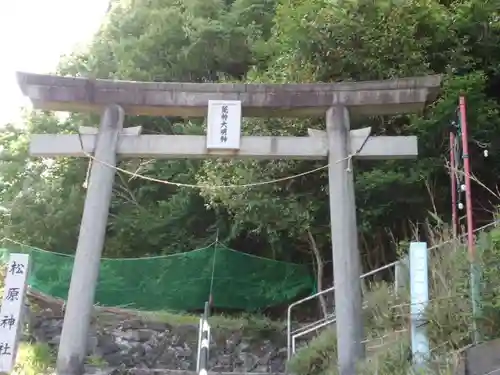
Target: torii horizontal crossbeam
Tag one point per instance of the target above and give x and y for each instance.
(367, 98)
(194, 147)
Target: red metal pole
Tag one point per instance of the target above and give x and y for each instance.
(475, 271)
(453, 177)
(467, 171)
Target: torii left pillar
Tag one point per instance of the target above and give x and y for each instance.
(90, 244)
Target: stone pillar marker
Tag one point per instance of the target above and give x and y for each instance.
(338, 145)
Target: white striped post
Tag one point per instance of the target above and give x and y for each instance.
(205, 342)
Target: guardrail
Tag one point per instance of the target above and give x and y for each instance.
(311, 327)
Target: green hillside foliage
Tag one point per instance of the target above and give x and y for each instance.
(267, 41)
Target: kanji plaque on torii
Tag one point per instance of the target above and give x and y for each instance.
(338, 144)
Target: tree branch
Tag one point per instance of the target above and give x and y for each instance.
(319, 271)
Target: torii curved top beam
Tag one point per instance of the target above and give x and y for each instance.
(70, 94)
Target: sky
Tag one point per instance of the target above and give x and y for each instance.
(34, 34)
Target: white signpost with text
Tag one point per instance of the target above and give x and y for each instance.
(12, 309)
(224, 125)
(419, 289)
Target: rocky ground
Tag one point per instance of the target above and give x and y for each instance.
(143, 344)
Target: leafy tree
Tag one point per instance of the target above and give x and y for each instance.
(42, 200)
(267, 41)
(314, 40)
(161, 40)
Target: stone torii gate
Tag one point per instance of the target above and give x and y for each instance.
(113, 99)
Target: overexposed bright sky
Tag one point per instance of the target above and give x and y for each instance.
(34, 34)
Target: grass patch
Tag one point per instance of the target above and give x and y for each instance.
(96, 361)
(244, 322)
(34, 359)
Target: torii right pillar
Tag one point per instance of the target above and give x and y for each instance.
(345, 251)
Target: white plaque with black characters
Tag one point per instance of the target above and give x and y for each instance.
(12, 308)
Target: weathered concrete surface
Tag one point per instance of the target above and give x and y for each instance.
(194, 147)
(191, 99)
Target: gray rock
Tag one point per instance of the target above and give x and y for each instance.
(134, 346)
(157, 326)
(106, 345)
(132, 324)
(145, 334)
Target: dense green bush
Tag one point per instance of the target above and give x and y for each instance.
(317, 357)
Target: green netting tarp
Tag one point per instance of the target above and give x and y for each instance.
(178, 282)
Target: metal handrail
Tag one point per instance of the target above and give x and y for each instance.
(304, 330)
(317, 326)
(331, 289)
(316, 322)
(289, 316)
